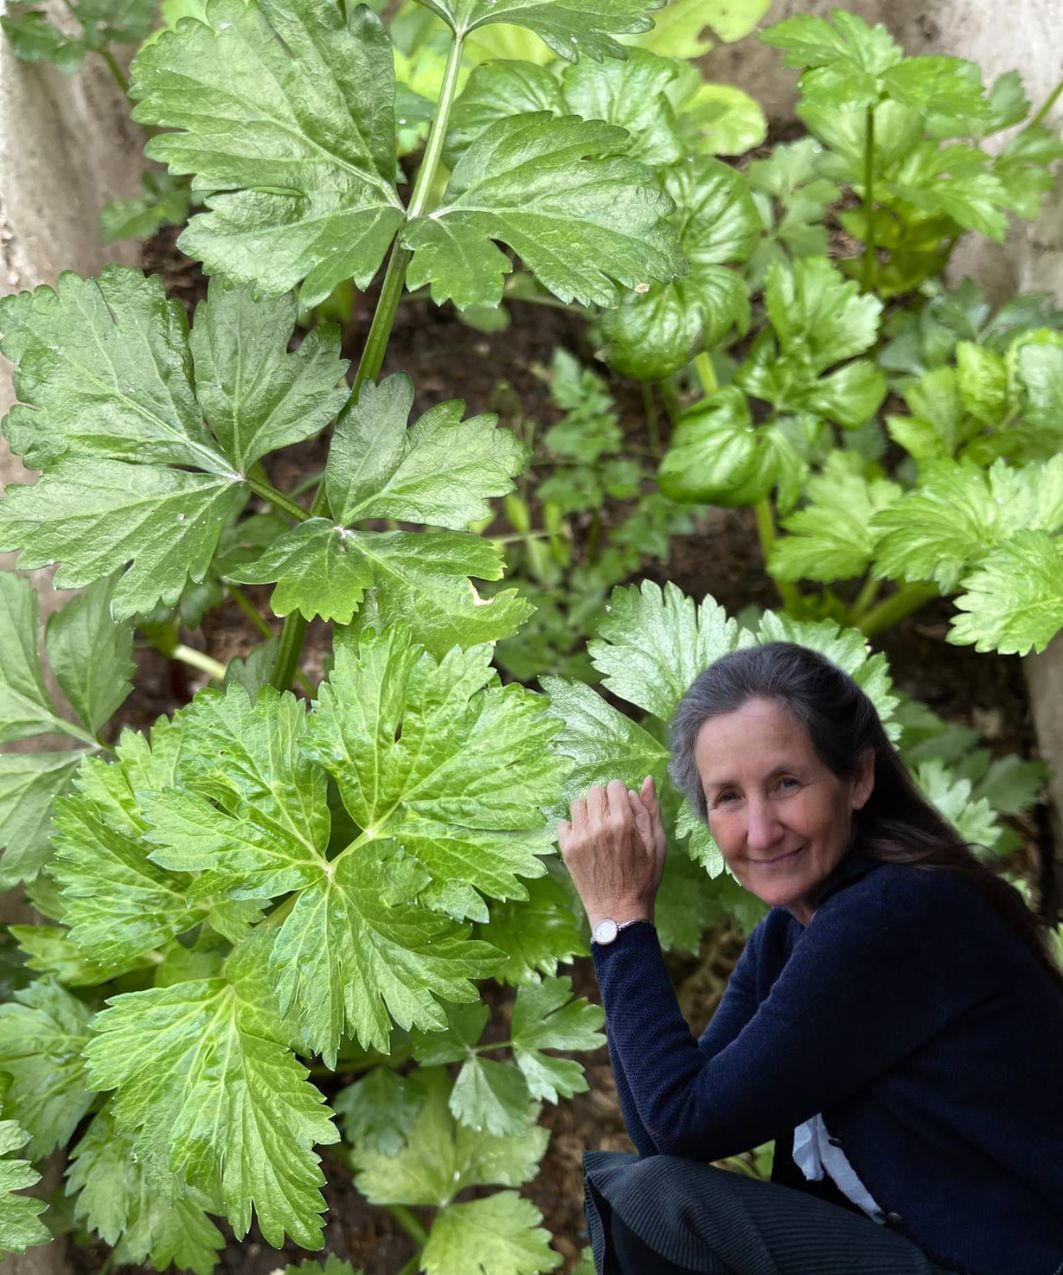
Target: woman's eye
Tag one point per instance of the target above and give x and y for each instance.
(788, 780)
(722, 798)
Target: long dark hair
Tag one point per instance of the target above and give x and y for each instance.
(897, 824)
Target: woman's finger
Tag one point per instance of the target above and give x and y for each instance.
(578, 811)
(643, 823)
(617, 798)
(596, 803)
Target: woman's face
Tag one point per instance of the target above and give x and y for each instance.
(781, 818)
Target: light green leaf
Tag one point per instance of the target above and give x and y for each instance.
(719, 119)
(442, 1157)
(117, 903)
(546, 1017)
(654, 333)
(975, 821)
(207, 1086)
(441, 470)
(285, 117)
(1014, 602)
(498, 1235)
(48, 949)
(355, 949)
(439, 757)
(42, 1035)
(29, 784)
(652, 645)
(165, 202)
(818, 314)
(464, 1027)
(582, 218)
(256, 395)
(982, 380)
(831, 537)
(20, 1224)
(958, 514)
(677, 32)
(145, 1215)
(536, 934)
(498, 88)
(90, 655)
(490, 1095)
(600, 743)
(569, 28)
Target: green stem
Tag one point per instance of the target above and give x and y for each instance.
(894, 608)
(116, 71)
(244, 603)
(196, 659)
(107, 1265)
(291, 642)
(268, 492)
(706, 373)
(762, 511)
(413, 1265)
(1046, 106)
(870, 273)
(409, 1223)
(649, 408)
(864, 598)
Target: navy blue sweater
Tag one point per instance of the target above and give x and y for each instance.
(907, 1012)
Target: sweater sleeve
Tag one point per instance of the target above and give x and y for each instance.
(881, 968)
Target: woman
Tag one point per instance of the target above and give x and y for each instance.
(895, 1023)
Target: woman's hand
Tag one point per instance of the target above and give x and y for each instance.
(614, 849)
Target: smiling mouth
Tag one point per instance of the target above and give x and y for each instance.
(782, 858)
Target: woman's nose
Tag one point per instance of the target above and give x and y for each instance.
(762, 827)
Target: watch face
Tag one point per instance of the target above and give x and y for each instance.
(605, 931)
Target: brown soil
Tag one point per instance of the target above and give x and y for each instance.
(498, 372)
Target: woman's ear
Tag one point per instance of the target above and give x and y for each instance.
(864, 779)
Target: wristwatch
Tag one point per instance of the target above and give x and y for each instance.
(607, 929)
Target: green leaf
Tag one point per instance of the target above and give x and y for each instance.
(653, 333)
(536, 934)
(90, 655)
(207, 1086)
(145, 1215)
(95, 518)
(165, 202)
(441, 470)
(256, 395)
(426, 752)
(630, 93)
(20, 1224)
(677, 32)
(441, 1157)
(982, 380)
(378, 1111)
(973, 820)
(569, 28)
(651, 646)
(600, 743)
(285, 117)
(132, 468)
(117, 903)
(354, 950)
(546, 1017)
(719, 119)
(25, 707)
(818, 315)
(580, 216)
(1014, 602)
(498, 1235)
(42, 1035)
(48, 949)
(34, 38)
(29, 784)
(1011, 784)
(958, 514)
(490, 1095)
(831, 538)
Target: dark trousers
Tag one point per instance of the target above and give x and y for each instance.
(665, 1216)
